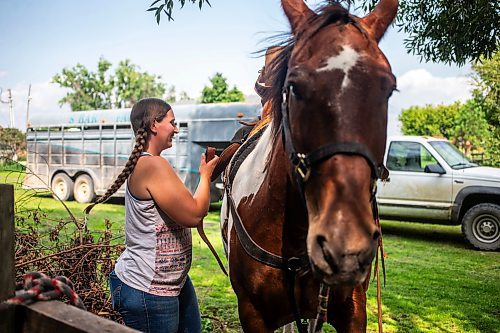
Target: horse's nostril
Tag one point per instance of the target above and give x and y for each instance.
(376, 234)
(320, 239)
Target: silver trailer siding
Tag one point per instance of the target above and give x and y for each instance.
(80, 153)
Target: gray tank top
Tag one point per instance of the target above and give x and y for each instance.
(158, 251)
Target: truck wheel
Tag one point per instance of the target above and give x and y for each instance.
(62, 187)
(481, 226)
(84, 189)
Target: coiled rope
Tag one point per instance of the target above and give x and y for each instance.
(37, 286)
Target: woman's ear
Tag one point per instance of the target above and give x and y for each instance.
(153, 128)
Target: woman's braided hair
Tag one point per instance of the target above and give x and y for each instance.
(143, 114)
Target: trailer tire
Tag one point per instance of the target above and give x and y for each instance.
(62, 187)
(84, 189)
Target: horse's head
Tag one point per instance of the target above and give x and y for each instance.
(336, 91)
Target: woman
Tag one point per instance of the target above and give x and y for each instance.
(150, 286)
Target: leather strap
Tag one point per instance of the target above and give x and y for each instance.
(253, 249)
(224, 159)
(203, 236)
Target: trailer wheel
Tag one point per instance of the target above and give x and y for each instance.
(62, 187)
(84, 189)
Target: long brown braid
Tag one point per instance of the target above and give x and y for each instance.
(143, 114)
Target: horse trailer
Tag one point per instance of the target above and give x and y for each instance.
(79, 154)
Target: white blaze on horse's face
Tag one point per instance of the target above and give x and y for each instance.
(345, 61)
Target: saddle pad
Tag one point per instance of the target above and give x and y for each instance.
(242, 153)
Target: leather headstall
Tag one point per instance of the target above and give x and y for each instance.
(304, 162)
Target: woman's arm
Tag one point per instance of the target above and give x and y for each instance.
(172, 196)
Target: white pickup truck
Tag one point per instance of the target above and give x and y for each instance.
(432, 181)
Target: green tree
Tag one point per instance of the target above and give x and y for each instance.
(130, 85)
(183, 96)
(219, 91)
(171, 96)
(486, 94)
(89, 90)
(429, 120)
(446, 31)
(470, 125)
(13, 138)
(476, 121)
(464, 125)
(104, 90)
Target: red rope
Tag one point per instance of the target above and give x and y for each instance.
(39, 287)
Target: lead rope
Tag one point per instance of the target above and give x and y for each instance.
(37, 286)
(321, 318)
(380, 249)
(377, 272)
(204, 237)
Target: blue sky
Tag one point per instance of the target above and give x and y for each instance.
(39, 38)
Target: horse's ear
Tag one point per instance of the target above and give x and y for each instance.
(297, 12)
(379, 19)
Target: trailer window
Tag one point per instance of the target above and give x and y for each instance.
(123, 126)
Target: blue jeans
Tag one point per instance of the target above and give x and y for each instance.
(153, 314)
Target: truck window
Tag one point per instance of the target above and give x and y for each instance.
(408, 156)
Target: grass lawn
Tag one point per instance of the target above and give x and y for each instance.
(435, 281)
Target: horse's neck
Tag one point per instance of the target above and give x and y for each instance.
(267, 200)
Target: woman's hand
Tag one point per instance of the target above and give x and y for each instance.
(206, 168)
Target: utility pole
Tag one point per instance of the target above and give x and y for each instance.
(11, 112)
(28, 108)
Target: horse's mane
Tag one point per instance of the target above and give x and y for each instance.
(278, 68)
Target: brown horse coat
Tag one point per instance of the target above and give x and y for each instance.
(336, 83)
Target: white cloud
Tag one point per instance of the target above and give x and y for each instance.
(419, 87)
(44, 99)
(3, 73)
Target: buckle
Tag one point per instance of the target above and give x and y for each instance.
(302, 167)
(293, 264)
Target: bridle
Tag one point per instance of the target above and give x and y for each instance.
(303, 163)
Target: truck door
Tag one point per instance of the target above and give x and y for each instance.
(410, 193)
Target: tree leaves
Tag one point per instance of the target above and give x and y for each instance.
(13, 137)
(486, 94)
(446, 31)
(219, 91)
(103, 90)
(477, 120)
(168, 5)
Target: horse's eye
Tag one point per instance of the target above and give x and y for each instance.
(392, 91)
(295, 91)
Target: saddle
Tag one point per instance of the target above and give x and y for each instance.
(242, 134)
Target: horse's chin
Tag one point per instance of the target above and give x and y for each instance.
(341, 279)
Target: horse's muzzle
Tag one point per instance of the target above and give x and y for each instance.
(338, 266)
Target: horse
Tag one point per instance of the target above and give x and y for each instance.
(298, 212)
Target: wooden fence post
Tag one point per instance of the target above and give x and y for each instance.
(7, 271)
